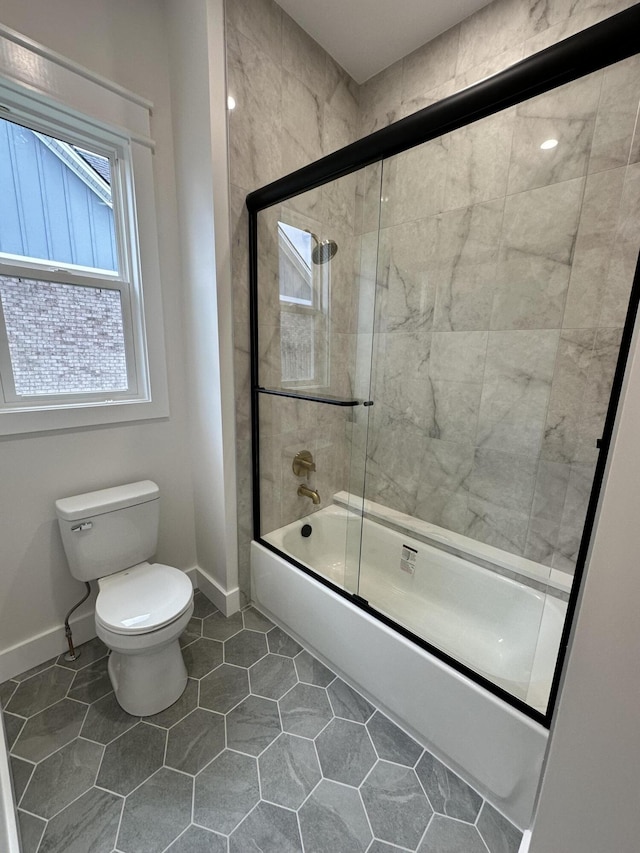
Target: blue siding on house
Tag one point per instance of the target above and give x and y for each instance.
(46, 211)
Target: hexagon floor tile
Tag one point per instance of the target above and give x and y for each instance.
(266, 749)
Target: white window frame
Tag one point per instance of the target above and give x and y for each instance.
(52, 95)
(318, 309)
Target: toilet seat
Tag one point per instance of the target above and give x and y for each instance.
(142, 598)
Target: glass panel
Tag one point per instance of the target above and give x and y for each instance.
(472, 292)
(56, 201)
(63, 338)
(504, 270)
(316, 290)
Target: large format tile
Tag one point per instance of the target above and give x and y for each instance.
(253, 725)
(391, 742)
(226, 791)
(31, 830)
(272, 676)
(89, 823)
(289, 771)
(268, 827)
(498, 834)
(224, 688)
(245, 648)
(40, 691)
(202, 656)
(305, 710)
(50, 729)
(62, 777)
(241, 800)
(21, 774)
(195, 839)
(132, 758)
(445, 835)
(446, 791)
(156, 813)
(347, 703)
(333, 819)
(183, 706)
(345, 752)
(91, 683)
(106, 720)
(396, 805)
(195, 740)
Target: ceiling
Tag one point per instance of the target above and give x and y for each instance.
(365, 36)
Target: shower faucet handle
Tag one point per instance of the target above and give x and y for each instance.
(303, 464)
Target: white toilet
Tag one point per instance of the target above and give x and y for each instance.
(142, 608)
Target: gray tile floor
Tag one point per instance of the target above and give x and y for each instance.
(267, 750)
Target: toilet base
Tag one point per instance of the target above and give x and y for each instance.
(145, 684)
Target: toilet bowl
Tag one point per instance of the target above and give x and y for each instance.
(142, 608)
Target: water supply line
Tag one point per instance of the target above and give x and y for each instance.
(72, 654)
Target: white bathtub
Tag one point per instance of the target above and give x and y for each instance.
(495, 747)
(502, 628)
(9, 840)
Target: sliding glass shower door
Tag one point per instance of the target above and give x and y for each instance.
(317, 283)
(438, 338)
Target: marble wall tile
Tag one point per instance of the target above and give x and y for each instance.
(442, 492)
(458, 356)
(624, 257)
(402, 380)
(466, 259)
(579, 16)
(539, 233)
(406, 282)
(542, 540)
(255, 124)
(503, 479)
(492, 30)
(429, 67)
(497, 525)
(456, 406)
(575, 352)
(380, 99)
(594, 248)
(368, 194)
(413, 183)
(303, 57)
(567, 114)
(478, 162)
(597, 392)
(516, 389)
(617, 116)
(427, 98)
(302, 130)
(260, 22)
(489, 66)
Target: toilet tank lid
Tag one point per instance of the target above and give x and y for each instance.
(106, 500)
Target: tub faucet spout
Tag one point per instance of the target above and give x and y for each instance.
(306, 492)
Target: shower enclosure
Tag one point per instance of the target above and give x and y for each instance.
(441, 316)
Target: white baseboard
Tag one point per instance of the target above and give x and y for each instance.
(36, 650)
(227, 601)
(526, 840)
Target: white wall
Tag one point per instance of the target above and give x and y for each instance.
(590, 796)
(196, 38)
(125, 42)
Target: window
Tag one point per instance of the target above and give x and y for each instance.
(304, 299)
(75, 346)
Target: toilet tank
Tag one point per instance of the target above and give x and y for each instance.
(109, 530)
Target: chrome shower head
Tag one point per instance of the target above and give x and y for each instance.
(323, 250)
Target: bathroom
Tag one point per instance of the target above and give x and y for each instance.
(200, 454)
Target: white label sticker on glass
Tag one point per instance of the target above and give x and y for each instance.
(408, 559)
